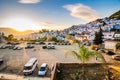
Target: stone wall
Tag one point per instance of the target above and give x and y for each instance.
(69, 68)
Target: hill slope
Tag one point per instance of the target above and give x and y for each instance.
(115, 15)
(8, 31)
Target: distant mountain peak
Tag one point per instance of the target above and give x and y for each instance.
(8, 31)
(115, 15)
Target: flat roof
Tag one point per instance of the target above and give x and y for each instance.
(30, 62)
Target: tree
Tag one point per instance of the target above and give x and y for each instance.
(43, 30)
(84, 54)
(69, 36)
(51, 38)
(10, 37)
(98, 37)
(3, 34)
(117, 45)
(42, 39)
(54, 39)
(21, 39)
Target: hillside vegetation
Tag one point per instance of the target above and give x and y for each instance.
(115, 15)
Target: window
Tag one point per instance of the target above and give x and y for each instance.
(34, 62)
(42, 69)
(27, 67)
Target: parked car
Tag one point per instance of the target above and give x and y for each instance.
(9, 43)
(29, 47)
(36, 43)
(48, 46)
(49, 43)
(30, 66)
(3, 47)
(11, 47)
(110, 53)
(17, 48)
(1, 60)
(29, 43)
(101, 51)
(58, 43)
(44, 47)
(52, 47)
(54, 43)
(116, 57)
(41, 42)
(32, 42)
(43, 70)
(62, 43)
(65, 43)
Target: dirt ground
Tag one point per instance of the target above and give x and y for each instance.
(14, 60)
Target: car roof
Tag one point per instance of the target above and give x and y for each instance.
(44, 65)
(30, 62)
(117, 55)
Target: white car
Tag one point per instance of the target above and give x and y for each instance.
(52, 47)
(17, 48)
(30, 66)
(43, 70)
(116, 57)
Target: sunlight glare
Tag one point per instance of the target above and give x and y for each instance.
(20, 24)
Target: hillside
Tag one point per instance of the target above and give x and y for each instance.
(115, 15)
(8, 31)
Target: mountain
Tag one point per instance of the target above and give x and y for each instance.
(115, 15)
(8, 31)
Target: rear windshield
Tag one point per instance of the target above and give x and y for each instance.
(42, 69)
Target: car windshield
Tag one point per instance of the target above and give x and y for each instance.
(42, 69)
(117, 56)
(27, 68)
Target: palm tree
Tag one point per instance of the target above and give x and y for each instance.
(84, 54)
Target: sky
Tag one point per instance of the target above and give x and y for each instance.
(53, 14)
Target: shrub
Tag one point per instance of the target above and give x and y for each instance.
(118, 45)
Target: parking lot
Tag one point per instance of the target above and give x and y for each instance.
(14, 60)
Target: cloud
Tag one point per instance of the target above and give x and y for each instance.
(82, 11)
(46, 23)
(29, 1)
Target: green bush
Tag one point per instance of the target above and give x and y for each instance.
(118, 45)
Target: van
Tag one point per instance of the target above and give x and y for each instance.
(30, 66)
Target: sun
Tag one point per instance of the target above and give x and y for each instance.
(20, 24)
